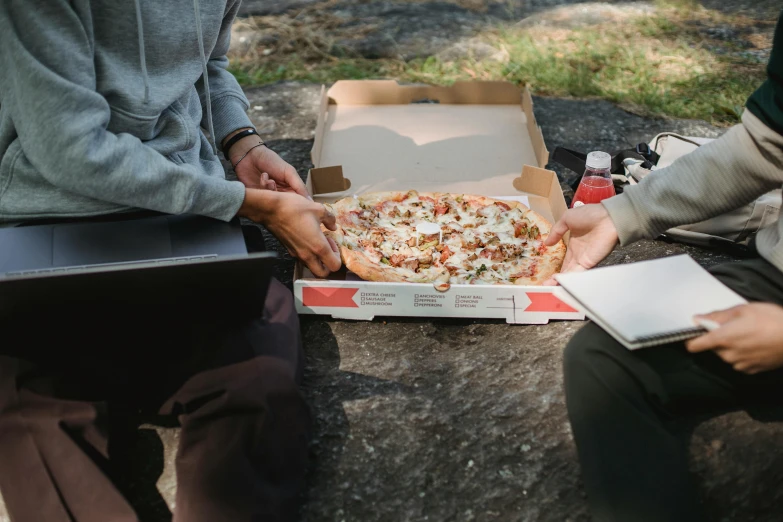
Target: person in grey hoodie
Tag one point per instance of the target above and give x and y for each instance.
(103, 106)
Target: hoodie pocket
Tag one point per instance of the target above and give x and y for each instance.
(170, 132)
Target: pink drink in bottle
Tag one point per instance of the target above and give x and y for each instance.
(596, 184)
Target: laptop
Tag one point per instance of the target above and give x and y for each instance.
(157, 270)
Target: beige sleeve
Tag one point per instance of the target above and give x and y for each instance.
(723, 175)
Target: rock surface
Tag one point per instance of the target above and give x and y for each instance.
(459, 420)
(422, 419)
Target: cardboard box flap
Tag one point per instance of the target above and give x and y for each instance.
(536, 137)
(315, 152)
(389, 92)
(327, 180)
(544, 183)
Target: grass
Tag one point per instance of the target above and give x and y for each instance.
(659, 65)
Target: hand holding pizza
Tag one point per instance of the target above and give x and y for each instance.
(296, 222)
(593, 237)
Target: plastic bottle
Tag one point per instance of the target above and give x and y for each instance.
(596, 184)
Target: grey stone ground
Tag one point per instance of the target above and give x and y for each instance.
(452, 420)
(424, 419)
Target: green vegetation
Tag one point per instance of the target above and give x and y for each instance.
(660, 64)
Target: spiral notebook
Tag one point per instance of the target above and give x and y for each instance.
(651, 302)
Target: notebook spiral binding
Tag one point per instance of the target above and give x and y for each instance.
(670, 337)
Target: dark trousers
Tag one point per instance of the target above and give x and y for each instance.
(233, 389)
(624, 407)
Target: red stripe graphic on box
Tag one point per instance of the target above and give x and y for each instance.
(329, 296)
(546, 302)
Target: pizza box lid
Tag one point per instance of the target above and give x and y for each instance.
(471, 138)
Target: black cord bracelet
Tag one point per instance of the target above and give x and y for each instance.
(235, 138)
(234, 165)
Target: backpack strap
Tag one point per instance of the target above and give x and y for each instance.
(570, 159)
(649, 155)
(575, 160)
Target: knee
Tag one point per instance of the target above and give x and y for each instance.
(585, 346)
(591, 351)
(279, 307)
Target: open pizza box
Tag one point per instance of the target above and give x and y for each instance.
(471, 138)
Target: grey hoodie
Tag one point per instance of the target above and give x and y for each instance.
(101, 104)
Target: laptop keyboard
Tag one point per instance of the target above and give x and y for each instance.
(151, 262)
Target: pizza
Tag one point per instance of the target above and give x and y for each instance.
(443, 238)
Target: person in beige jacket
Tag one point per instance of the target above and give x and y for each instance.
(624, 406)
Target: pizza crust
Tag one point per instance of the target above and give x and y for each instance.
(362, 266)
(551, 260)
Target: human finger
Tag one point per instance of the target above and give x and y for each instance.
(570, 265)
(315, 265)
(745, 367)
(327, 218)
(703, 343)
(328, 256)
(723, 337)
(557, 232)
(722, 316)
(729, 355)
(296, 184)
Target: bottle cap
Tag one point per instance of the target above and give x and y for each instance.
(599, 160)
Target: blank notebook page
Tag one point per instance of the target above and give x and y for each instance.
(649, 298)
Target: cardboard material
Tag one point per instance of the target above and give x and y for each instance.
(471, 138)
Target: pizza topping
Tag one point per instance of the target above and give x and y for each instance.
(441, 209)
(445, 254)
(482, 241)
(396, 259)
(520, 229)
(534, 233)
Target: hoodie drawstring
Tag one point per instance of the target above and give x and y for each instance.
(205, 72)
(205, 76)
(142, 56)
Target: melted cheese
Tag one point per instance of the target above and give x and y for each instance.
(487, 245)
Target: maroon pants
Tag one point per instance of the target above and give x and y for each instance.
(233, 389)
